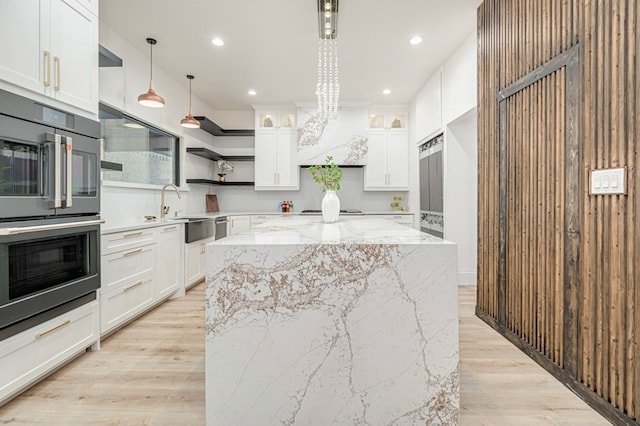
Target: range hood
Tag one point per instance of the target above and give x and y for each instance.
(344, 138)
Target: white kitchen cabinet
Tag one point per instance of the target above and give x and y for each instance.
(275, 118)
(275, 163)
(195, 256)
(388, 161)
(275, 151)
(396, 121)
(428, 119)
(127, 278)
(168, 271)
(30, 355)
(56, 57)
(239, 224)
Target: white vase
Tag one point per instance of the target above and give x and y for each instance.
(330, 207)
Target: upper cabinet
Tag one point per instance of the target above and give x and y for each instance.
(388, 153)
(388, 121)
(429, 108)
(275, 150)
(57, 54)
(273, 119)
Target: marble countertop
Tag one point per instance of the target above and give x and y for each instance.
(308, 230)
(110, 226)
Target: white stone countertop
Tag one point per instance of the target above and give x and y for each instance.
(110, 227)
(303, 229)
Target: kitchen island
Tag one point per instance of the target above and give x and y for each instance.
(348, 323)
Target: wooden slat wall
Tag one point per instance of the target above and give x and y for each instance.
(535, 220)
(516, 37)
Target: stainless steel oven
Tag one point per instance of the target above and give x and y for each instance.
(49, 212)
(45, 264)
(49, 161)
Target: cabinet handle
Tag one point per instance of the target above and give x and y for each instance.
(56, 62)
(57, 327)
(47, 69)
(202, 249)
(132, 234)
(132, 286)
(170, 228)
(132, 252)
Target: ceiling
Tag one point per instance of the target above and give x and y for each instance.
(271, 46)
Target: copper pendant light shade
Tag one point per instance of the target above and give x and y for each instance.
(189, 121)
(151, 99)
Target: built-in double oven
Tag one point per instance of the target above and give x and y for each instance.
(49, 212)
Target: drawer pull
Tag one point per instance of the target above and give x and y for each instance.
(132, 234)
(132, 286)
(132, 252)
(57, 327)
(202, 248)
(170, 228)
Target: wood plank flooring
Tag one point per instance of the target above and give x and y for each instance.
(152, 373)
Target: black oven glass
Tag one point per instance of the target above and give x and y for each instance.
(19, 169)
(35, 266)
(84, 178)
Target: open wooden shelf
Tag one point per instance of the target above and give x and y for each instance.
(214, 156)
(215, 182)
(211, 127)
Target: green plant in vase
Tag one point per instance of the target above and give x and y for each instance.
(329, 175)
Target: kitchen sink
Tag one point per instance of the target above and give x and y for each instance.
(195, 228)
(186, 218)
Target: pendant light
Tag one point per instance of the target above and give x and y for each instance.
(151, 98)
(189, 122)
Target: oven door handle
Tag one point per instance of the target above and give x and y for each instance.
(69, 174)
(57, 172)
(38, 228)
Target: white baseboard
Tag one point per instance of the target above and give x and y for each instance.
(467, 278)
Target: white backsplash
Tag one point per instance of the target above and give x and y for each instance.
(308, 197)
(123, 204)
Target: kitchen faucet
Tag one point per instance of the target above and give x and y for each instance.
(165, 209)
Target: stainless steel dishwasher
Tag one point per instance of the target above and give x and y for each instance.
(222, 224)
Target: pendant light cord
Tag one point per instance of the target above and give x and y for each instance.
(151, 62)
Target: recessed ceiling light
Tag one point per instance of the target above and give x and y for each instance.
(252, 92)
(217, 41)
(386, 92)
(415, 40)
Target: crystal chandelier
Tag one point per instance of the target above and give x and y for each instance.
(328, 87)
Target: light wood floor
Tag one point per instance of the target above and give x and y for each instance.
(152, 373)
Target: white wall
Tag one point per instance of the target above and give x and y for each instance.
(460, 192)
(453, 112)
(120, 87)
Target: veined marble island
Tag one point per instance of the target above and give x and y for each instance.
(317, 324)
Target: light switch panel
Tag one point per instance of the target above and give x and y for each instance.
(608, 181)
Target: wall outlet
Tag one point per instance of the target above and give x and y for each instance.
(608, 181)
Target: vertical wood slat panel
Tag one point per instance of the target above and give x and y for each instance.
(516, 37)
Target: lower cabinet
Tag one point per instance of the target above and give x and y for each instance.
(169, 259)
(144, 274)
(126, 302)
(239, 224)
(195, 256)
(32, 354)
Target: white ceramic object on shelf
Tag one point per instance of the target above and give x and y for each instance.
(330, 207)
